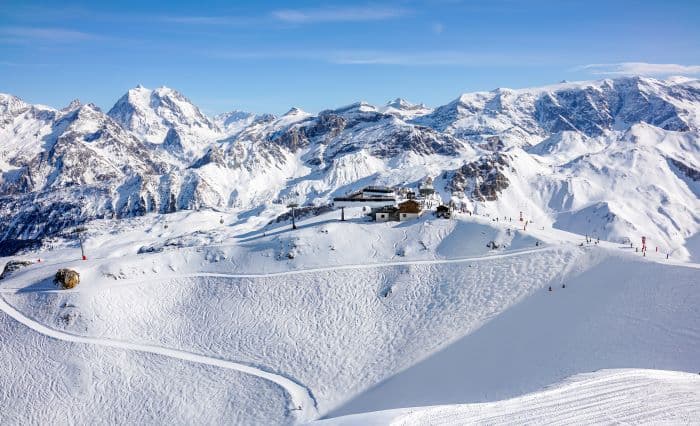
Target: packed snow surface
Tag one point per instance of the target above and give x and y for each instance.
(317, 321)
(609, 396)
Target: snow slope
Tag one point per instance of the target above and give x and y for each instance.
(48, 381)
(299, 395)
(239, 302)
(627, 396)
(617, 313)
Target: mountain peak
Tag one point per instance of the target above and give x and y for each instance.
(10, 103)
(74, 104)
(360, 106)
(400, 103)
(294, 111)
(404, 109)
(151, 113)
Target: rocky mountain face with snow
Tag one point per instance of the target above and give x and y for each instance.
(614, 158)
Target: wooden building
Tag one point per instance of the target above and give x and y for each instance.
(409, 209)
(443, 211)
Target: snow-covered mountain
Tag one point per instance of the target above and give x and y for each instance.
(613, 158)
(153, 116)
(526, 116)
(405, 109)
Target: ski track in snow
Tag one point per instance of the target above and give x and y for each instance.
(300, 395)
(625, 396)
(126, 282)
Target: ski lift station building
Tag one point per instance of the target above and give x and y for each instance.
(370, 196)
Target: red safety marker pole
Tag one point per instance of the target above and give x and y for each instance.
(82, 249)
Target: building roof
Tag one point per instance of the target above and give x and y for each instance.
(409, 206)
(381, 189)
(364, 199)
(385, 209)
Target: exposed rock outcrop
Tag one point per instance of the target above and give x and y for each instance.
(12, 266)
(66, 278)
(483, 179)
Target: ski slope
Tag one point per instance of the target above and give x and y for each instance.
(625, 396)
(287, 330)
(616, 313)
(299, 395)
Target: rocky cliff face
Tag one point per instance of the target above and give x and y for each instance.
(481, 180)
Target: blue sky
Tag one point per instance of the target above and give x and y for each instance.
(268, 56)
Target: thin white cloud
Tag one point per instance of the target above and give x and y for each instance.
(438, 28)
(639, 68)
(381, 57)
(207, 20)
(48, 34)
(432, 58)
(345, 14)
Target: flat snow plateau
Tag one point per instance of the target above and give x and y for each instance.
(219, 323)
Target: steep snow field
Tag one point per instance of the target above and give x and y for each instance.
(618, 313)
(610, 396)
(288, 326)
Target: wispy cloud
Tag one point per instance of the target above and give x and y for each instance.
(383, 57)
(206, 20)
(345, 14)
(18, 64)
(48, 34)
(423, 58)
(639, 68)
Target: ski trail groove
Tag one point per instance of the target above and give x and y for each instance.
(300, 395)
(126, 282)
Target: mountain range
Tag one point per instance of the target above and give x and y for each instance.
(615, 158)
